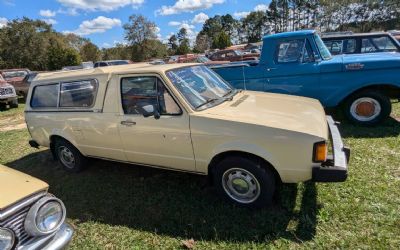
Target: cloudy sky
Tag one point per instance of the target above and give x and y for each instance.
(102, 20)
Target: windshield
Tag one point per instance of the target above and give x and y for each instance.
(11, 74)
(200, 86)
(203, 59)
(238, 52)
(323, 50)
(118, 62)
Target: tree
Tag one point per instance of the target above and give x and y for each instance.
(184, 44)
(90, 52)
(142, 38)
(172, 44)
(202, 43)
(222, 40)
(254, 26)
(59, 55)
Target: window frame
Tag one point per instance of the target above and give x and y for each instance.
(80, 80)
(158, 78)
(58, 107)
(277, 48)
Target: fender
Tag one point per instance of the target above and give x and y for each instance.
(245, 148)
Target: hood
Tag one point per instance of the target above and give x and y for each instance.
(372, 60)
(4, 84)
(366, 61)
(292, 113)
(16, 186)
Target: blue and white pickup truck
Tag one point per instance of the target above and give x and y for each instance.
(298, 63)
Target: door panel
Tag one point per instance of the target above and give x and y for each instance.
(164, 142)
(295, 70)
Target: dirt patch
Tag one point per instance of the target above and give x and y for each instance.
(12, 123)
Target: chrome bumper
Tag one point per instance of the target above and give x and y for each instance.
(59, 240)
(335, 168)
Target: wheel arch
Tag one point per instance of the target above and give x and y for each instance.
(223, 155)
(53, 138)
(390, 90)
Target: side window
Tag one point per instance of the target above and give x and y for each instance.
(290, 51)
(78, 94)
(103, 64)
(384, 43)
(349, 46)
(138, 92)
(334, 46)
(367, 46)
(45, 96)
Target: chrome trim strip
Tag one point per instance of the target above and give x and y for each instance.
(147, 165)
(21, 204)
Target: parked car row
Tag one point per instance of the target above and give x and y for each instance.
(212, 119)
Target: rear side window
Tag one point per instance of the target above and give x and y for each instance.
(45, 96)
(79, 94)
(290, 51)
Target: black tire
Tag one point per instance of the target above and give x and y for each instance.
(62, 147)
(14, 104)
(382, 99)
(263, 176)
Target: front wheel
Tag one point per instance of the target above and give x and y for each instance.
(367, 108)
(244, 182)
(69, 157)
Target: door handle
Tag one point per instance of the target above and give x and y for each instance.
(128, 123)
(270, 69)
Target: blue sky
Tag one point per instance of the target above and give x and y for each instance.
(102, 20)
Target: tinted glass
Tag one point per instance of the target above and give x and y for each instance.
(45, 96)
(382, 44)
(138, 92)
(349, 46)
(78, 94)
(11, 74)
(118, 63)
(198, 85)
(290, 51)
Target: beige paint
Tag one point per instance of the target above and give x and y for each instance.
(15, 186)
(279, 128)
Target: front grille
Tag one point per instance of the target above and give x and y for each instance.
(16, 224)
(6, 91)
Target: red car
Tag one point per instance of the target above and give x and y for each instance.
(233, 56)
(19, 78)
(7, 95)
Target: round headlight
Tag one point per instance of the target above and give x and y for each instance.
(7, 239)
(49, 216)
(45, 216)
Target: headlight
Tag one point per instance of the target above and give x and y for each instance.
(7, 239)
(45, 216)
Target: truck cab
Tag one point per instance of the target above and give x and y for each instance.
(299, 63)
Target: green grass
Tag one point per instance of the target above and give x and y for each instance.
(118, 206)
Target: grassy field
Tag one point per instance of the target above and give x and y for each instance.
(117, 206)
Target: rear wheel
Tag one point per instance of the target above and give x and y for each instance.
(368, 107)
(69, 157)
(244, 182)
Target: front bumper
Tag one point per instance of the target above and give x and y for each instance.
(335, 168)
(8, 99)
(59, 240)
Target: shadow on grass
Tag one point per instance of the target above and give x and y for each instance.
(171, 203)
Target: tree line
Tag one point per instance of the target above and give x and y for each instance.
(34, 44)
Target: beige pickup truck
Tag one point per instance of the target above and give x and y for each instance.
(185, 118)
(30, 217)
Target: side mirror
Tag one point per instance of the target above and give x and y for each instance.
(149, 110)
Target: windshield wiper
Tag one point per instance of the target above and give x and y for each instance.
(207, 102)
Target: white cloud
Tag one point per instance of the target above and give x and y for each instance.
(187, 6)
(3, 22)
(47, 13)
(242, 14)
(174, 23)
(50, 21)
(99, 5)
(261, 7)
(98, 25)
(200, 18)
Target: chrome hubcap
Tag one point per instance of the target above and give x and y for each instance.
(66, 157)
(365, 109)
(241, 185)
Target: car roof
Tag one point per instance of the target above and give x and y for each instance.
(118, 69)
(355, 35)
(290, 34)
